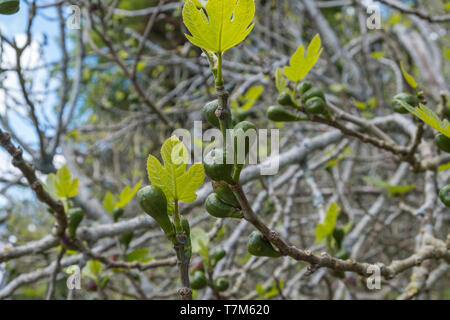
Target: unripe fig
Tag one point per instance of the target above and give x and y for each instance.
(209, 111)
(9, 6)
(198, 280)
(443, 142)
(311, 93)
(117, 213)
(219, 209)
(444, 195)
(218, 254)
(153, 201)
(244, 126)
(303, 87)
(225, 193)
(221, 284)
(406, 98)
(285, 100)
(75, 217)
(278, 114)
(216, 167)
(315, 105)
(258, 246)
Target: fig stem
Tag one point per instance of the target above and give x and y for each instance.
(185, 292)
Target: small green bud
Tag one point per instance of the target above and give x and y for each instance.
(406, 98)
(198, 280)
(219, 209)
(444, 195)
(278, 114)
(285, 99)
(218, 254)
(258, 246)
(222, 284)
(216, 166)
(443, 142)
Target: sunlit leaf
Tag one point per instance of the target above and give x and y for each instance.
(429, 117)
(189, 182)
(127, 194)
(280, 81)
(251, 97)
(65, 186)
(109, 202)
(176, 183)
(409, 78)
(225, 24)
(326, 228)
(301, 63)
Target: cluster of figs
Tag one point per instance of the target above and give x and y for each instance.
(223, 203)
(312, 99)
(198, 278)
(441, 140)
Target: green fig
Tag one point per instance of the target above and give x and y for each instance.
(219, 209)
(244, 126)
(221, 284)
(218, 254)
(315, 105)
(444, 195)
(406, 98)
(258, 246)
(209, 111)
(153, 201)
(278, 114)
(303, 87)
(443, 142)
(285, 100)
(225, 193)
(198, 280)
(216, 167)
(311, 93)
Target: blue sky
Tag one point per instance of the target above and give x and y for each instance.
(15, 25)
(12, 25)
